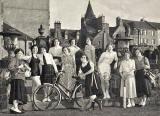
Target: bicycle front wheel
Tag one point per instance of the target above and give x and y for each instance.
(46, 97)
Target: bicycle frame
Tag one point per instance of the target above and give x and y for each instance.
(63, 89)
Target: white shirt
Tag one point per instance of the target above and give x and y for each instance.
(74, 49)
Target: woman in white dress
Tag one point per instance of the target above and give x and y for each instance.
(73, 47)
(127, 68)
(56, 52)
(104, 67)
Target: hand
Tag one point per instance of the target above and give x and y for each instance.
(21, 66)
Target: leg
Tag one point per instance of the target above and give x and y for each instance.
(132, 102)
(103, 87)
(47, 91)
(107, 88)
(15, 107)
(129, 103)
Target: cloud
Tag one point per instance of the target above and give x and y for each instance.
(69, 12)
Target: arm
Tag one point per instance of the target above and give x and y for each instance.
(91, 70)
(116, 59)
(53, 63)
(147, 65)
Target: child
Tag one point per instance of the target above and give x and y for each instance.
(127, 68)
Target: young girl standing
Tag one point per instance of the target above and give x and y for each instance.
(127, 68)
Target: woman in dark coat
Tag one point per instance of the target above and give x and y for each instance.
(93, 89)
(17, 68)
(143, 85)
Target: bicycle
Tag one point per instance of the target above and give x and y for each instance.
(55, 93)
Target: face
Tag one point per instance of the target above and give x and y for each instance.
(137, 52)
(127, 56)
(19, 54)
(88, 41)
(110, 48)
(43, 50)
(83, 58)
(35, 50)
(73, 42)
(56, 42)
(65, 51)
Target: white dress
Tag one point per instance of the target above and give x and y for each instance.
(56, 52)
(127, 69)
(105, 61)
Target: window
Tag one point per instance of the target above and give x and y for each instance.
(144, 32)
(153, 41)
(153, 33)
(145, 41)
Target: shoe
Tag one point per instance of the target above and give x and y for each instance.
(92, 107)
(99, 102)
(133, 104)
(15, 111)
(48, 99)
(143, 104)
(45, 100)
(129, 105)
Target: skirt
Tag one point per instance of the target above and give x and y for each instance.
(143, 85)
(130, 88)
(18, 91)
(48, 74)
(93, 86)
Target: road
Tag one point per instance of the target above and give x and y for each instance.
(150, 110)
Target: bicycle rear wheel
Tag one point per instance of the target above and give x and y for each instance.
(80, 99)
(46, 97)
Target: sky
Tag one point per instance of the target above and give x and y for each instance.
(69, 12)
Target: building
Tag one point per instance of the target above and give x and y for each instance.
(25, 16)
(95, 28)
(64, 35)
(144, 32)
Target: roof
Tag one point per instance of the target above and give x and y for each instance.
(89, 13)
(71, 33)
(7, 27)
(142, 24)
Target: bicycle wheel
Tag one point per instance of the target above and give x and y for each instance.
(79, 97)
(46, 97)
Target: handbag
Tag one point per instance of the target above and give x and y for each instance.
(151, 77)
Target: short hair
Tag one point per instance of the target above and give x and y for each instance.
(18, 50)
(71, 40)
(128, 52)
(43, 47)
(83, 54)
(33, 46)
(108, 45)
(65, 47)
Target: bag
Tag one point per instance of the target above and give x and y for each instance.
(27, 73)
(151, 77)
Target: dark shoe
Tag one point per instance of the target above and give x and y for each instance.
(99, 102)
(92, 107)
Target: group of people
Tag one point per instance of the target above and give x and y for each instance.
(45, 65)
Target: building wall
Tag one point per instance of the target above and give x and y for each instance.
(145, 36)
(27, 15)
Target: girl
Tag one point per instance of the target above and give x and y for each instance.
(92, 83)
(35, 70)
(68, 65)
(127, 68)
(17, 68)
(104, 67)
(143, 85)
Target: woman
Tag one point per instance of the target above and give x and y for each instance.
(92, 83)
(35, 70)
(127, 68)
(90, 50)
(104, 67)
(56, 52)
(73, 47)
(17, 68)
(68, 65)
(48, 70)
(143, 85)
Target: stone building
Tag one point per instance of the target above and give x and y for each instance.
(24, 16)
(64, 35)
(144, 33)
(95, 28)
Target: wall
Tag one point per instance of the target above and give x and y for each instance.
(27, 15)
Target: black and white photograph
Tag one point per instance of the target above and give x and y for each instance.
(80, 57)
